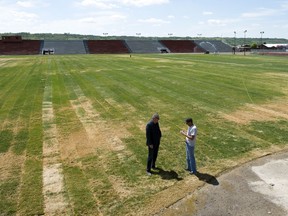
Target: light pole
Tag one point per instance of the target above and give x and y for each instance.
(234, 42)
(262, 32)
(245, 41)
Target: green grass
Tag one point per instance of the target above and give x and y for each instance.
(125, 92)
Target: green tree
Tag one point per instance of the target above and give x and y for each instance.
(254, 46)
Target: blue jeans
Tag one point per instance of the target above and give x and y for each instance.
(191, 163)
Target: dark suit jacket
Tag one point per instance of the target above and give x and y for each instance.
(153, 133)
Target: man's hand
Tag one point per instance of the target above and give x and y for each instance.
(183, 132)
(151, 146)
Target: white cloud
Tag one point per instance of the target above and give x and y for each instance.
(219, 22)
(142, 3)
(13, 20)
(92, 23)
(104, 18)
(129, 16)
(284, 6)
(207, 13)
(25, 4)
(102, 4)
(13, 16)
(109, 4)
(216, 22)
(23, 16)
(154, 21)
(31, 4)
(262, 12)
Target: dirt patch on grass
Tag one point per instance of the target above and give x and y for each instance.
(100, 134)
(95, 136)
(119, 186)
(9, 163)
(273, 75)
(13, 61)
(53, 179)
(264, 112)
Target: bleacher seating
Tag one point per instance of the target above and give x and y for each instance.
(214, 46)
(85, 42)
(14, 45)
(21, 47)
(65, 46)
(181, 46)
(107, 47)
(147, 46)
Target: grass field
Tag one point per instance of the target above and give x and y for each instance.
(72, 137)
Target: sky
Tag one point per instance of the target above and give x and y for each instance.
(145, 18)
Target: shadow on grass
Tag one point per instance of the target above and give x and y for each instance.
(207, 178)
(167, 175)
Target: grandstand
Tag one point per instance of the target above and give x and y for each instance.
(140, 46)
(14, 45)
(107, 47)
(213, 46)
(65, 46)
(181, 46)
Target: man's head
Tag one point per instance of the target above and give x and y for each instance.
(189, 121)
(155, 117)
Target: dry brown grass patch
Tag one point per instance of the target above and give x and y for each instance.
(8, 163)
(264, 112)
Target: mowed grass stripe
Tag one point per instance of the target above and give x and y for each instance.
(55, 196)
(99, 179)
(18, 134)
(30, 193)
(10, 95)
(217, 85)
(15, 135)
(103, 189)
(19, 118)
(80, 195)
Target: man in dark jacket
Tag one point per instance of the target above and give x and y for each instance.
(153, 136)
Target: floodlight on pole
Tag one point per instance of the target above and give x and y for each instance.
(244, 41)
(235, 38)
(234, 42)
(262, 32)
